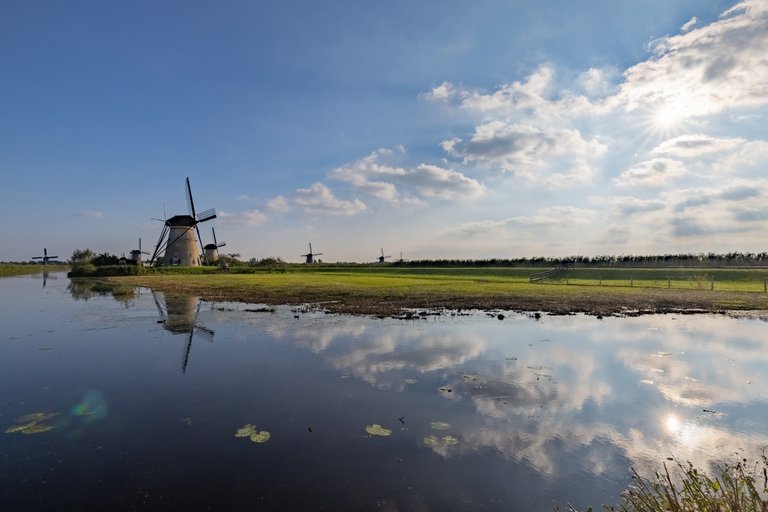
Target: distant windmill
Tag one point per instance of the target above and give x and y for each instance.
(136, 254)
(211, 251)
(382, 257)
(177, 242)
(310, 256)
(401, 260)
(45, 257)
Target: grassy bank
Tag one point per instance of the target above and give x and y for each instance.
(386, 290)
(10, 269)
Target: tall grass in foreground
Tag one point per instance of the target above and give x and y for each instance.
(740, 487)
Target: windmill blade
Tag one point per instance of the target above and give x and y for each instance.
(206, 215)
(200, 241)
(190, 201)
(159, 243)
(382, 252)
(213, 230)
(45, 252)
(310, 248)
(318, 254)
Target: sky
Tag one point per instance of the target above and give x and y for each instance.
(435, 129)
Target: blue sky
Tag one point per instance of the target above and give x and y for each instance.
(436, 129)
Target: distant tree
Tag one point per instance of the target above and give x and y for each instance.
(105, 259)
(82, 256)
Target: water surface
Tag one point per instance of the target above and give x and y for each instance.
(519, 414)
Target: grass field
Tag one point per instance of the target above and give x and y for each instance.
(386, 290)
(7, 269)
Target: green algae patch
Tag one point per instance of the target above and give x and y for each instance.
(257, 436)
(377, 430)
(32, 423)
(439, 425)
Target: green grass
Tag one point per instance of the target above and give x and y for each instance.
(10, 269)
(477, 280)
(739, 487)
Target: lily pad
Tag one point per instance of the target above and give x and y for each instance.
(32, 423)
(378, 430)
(440, 425)
(257, 436)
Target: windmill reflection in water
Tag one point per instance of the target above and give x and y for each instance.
(179, 314)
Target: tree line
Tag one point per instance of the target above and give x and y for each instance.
(731, 259)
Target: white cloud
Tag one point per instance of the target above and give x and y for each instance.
(248, 217)
(694, 145)
(279, 204)
(319, 199)
(688, 25)
(528, 151)
(406, 185)
(706, 70)
(651, 173)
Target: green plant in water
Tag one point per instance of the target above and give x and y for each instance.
(257, 436)
(377, 430)
(739, 487)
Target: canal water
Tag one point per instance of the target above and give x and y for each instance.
(123, 399)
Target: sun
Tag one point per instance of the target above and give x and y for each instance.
(667, 118)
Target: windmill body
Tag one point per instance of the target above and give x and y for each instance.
(180, 237)
(182, 242)
(136, 255)
(382, 258)
(310, 256)
(211, 251)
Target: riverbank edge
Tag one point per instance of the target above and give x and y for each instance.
(588, 300)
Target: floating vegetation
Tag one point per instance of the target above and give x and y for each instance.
(469, 378)
(257, 436)
(33, 423)
(410, 381)
(445, 389)
(435, 442)
(439, 425)
(378, 430)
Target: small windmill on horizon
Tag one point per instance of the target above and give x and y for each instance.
(382, 257)
(177, 243)
(44, 257)
(310, 256)
(136, 254)
(211, 251)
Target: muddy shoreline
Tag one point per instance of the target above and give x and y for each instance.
(589, 300)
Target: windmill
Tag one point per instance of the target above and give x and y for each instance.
(45, 257)
(310, 256)
(211, 251)
(179, 316)
(177, 242)
(382, 257)
(136, 254)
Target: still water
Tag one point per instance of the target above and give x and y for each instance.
(127, 399)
